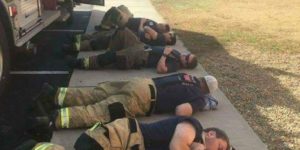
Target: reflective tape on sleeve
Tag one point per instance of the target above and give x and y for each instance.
(62, 96)
(43, 146)
(78, 42)
(86, 63)
(64, 117)
(95, 126)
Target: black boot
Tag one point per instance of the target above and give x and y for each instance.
(41, 129)
(69, 49)
(27, 145)
(44, 102)
(74, 62)
(72, 38)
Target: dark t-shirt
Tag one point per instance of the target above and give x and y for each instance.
(158, 135)
(160, 41)
(155, 55)
(170, 95)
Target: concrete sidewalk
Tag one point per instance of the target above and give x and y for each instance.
(225, 117)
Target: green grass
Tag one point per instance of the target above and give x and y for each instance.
(262, 25)
(191, 4)
(262, 42)
(253, 48)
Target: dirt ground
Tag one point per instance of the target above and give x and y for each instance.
(253, 48)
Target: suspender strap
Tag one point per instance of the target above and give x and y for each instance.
(152, 91)
(133, 129)
(116, 110)
(132, 125)
(152, 105)
(85, 142)
(153, 100)
(135, 147)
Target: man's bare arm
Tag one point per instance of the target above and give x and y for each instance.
(141, 26)
(161, 65)
(183, 137)
(184, 109)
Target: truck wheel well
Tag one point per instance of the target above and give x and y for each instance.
(4, 18)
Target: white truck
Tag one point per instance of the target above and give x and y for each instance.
(20, 20)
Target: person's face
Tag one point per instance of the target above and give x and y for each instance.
(203, 86)
(214, 143)
(186, 59)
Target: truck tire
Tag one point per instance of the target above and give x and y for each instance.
(4, 60)
(70, 8)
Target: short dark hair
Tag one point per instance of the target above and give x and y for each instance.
(220, 134)
(173, 39)
(193, 64)
(167, 27)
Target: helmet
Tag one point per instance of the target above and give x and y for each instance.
(211, 83)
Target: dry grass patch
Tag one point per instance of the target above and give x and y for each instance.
(253, 47)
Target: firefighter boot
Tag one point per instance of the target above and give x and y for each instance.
(74, 62)
(44, 102)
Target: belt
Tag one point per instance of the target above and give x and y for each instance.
(153, 100)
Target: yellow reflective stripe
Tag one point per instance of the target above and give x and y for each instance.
(86, 63)
(78, 42)
(64, 117)
(95, 126)
(43, 146)
(61, 96)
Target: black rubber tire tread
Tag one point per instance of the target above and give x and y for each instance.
(6, 59)
(70, 8)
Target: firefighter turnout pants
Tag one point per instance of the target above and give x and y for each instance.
(96, 41)
(47, 146)
(84, 106)
(124, 42)
(121, 134)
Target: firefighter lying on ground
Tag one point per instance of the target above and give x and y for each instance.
(184, 133)
(75, 107)
(146, 30)
(175, 133)
(127, 52)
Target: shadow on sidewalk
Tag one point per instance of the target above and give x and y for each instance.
(239, 80)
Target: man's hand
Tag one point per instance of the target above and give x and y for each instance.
(168, 50)
(153, 34)
(161, 66)
(183, 136)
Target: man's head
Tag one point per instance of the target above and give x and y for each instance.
(208, 84)
(170, 38)
(163, 28)
(114, 17)
(125, 10)
(188, 61)
(216, 139)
